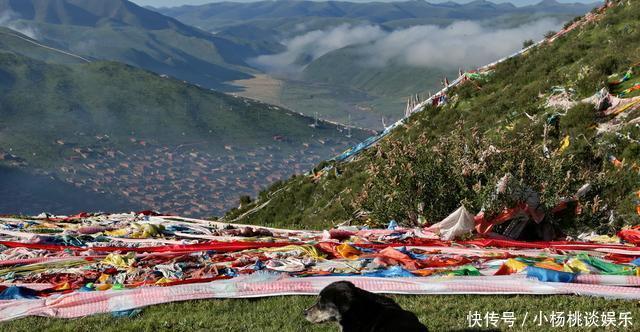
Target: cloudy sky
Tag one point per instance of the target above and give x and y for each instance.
(172, 3)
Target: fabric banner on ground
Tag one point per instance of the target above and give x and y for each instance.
(79, 304)
(94, 263)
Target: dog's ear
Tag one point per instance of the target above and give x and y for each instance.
(340, 294)
(345, 297)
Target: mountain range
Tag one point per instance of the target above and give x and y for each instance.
(278, 15)
(339, 85)
(119, 30)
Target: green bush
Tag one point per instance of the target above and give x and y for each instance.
(433, 178)
(245, 200)
(608, 65)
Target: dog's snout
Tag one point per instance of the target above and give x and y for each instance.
(306, 311)
(310, 310)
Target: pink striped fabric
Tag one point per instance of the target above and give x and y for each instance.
(79, 304)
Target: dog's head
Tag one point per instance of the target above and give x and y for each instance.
(334, 301)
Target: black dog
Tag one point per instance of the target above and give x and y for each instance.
(358, 310)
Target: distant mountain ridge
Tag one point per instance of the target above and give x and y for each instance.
(90, 13)
(214, 15)
(122, 31)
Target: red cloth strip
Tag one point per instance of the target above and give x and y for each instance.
(192, 281)
(500, 243)
(562, 245)
(75, 217)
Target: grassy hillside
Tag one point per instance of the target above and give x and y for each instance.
(117, 130)
(135, 36)
(490, 128)
(42, 103)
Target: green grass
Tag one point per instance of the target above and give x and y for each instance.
(283, 314)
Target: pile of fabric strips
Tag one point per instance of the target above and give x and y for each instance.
(96, 263)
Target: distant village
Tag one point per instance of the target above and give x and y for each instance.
(187, 179)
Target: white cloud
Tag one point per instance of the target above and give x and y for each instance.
(462, 43)
(8, 19)
(314, 44)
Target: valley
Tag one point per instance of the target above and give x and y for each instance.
(143, 140)
(328, 71)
